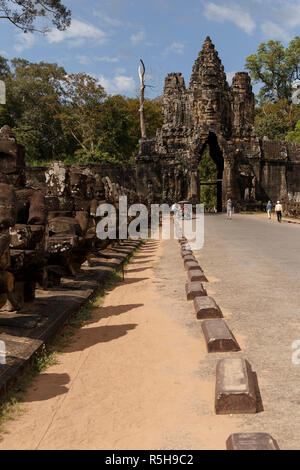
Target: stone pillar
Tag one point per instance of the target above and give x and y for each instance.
(230, 187)
(194, 186)
(171, 186)
(283, 183)
(165, 181)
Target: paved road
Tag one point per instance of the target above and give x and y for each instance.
(254, 268)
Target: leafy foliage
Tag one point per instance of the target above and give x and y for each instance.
(24, 14)
(276, 68)
(294, 136)
(69, 116)
(275, 120)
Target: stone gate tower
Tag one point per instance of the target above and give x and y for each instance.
(209, 112)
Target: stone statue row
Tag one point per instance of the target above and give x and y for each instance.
(47, 230)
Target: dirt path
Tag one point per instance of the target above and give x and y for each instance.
(131, 378)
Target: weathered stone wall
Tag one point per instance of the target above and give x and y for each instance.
(48, 218)
(85, 181)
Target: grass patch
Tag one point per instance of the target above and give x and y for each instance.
(11, 407)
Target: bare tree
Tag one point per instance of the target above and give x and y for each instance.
(142, 99)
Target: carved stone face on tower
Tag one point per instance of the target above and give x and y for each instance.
(210, 105)
(210, 89)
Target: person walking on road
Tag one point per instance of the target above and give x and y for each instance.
(278, 210)
(229, 207)
(269, 208)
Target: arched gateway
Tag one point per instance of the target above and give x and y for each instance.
(211, 112)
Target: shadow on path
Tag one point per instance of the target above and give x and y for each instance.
(137, 270)
(134, 280)
(112, 311)
(49, 386)
(100, 334)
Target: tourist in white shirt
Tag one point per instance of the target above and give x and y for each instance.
(278, 210)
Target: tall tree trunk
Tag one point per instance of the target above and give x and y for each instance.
(142, 99)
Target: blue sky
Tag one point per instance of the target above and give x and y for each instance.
(108, 37)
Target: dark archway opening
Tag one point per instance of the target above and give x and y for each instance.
(210, 175)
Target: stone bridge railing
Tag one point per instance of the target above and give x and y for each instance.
(48, 219)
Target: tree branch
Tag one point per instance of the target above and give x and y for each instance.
(142, 99)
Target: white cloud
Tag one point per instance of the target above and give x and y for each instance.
(86, 60)
(118, 84)
(83, 59)
(107, 19)
(277, 19)
(120, 71)
(138, 37)
(107, 59)
(175, 47)
(274, 31)
(24, 41)
(287, 12)
(77, 34)
(232, 12)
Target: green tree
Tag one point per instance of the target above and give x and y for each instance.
(82, 114)
(272, 127)
(276, 68)
(56, 115)
(275, 120)
(153, 116)
(34, 102)
(120, 126)
(24, 14)
(294, 136)
(4, 68)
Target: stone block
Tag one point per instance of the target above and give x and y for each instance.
(206, 307)
(186, 247)
(8, 206)
(6, 282)
(186, 252)
(15, 299)
(191, 264)
(194, 289)
(3, 300)
(65, 225)
(196, 274)
(82, 218)
(21, 237)
(218, 336)
(38, 210)
(189, 258)
(37, 233)
(251, 441)
(62, 243)
(235, 387)
(4, 251)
